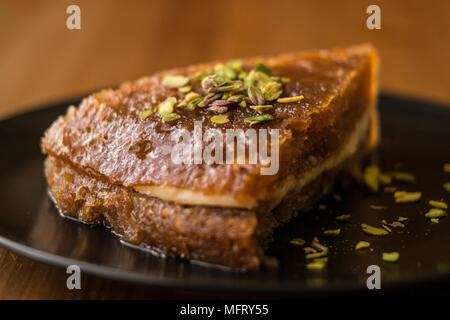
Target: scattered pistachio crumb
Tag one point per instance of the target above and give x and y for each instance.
(166, 106)
(185, 89)
(317, 255)
(446, 186)
(220, 119)
(385, 179)
(175, 81)
(343, 217)
(403, 176)
(371, 177)
(170, 117)
(375, 231)
(434, 220)
(361, 245)
(259, 119)
(438, 204)
(402, 219)
(290, 99)
(298, 241)
(316, 265)
(145, 114)
(332, 233)
(285, 79)
(261, 108)
(403, 196)
(391, 257)
(435, 213)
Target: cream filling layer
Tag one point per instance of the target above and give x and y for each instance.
(190, 197)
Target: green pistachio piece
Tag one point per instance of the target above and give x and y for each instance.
(170, 117)
(250, 78)
(193, 104)
(145, 114)
(403, 196)
(175, 81)
(220, 119)
(385, 179)
(315, 255)
(166, 106)
(371, 177)
(259, 119)
(262, 68)
(331, 233)
(434, 220)
(361, 245)
(343, 217)
(185, 89)
(316, 265)
(199, 76)
(298, 241)
(435, 213)
(262, 108)
(403, 176)
(230, 87)
(374, 230)
(391, 257)
(446, 186)
(290, 99)
(272, 91)
(236, 65)
(438, 204)
(402, 219)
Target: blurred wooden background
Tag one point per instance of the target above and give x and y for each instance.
(42, 61)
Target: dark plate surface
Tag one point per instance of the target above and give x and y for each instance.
(415, 138)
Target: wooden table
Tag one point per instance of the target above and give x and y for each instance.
(42, 61)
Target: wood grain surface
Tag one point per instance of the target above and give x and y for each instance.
(42, 61)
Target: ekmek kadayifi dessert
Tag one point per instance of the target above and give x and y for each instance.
(110, 159)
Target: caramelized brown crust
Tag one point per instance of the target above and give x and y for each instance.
(106, 138)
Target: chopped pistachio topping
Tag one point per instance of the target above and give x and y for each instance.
(385, 179)
(434, 220)
(371, 177)
(166, 106)
(435, 213)
(343, 217)
(262, 68)
(447, 167)
(403, 176)
(175, 81)
(402, 219)
(220, 119)
(317, 245)
(374, 230)
(285, 79)
(331, 233)
(199, 76)
(317, 255)
(262, 108)
(290, 99)
(170, 117)
(403, 196)
(391, 257)
(446, 186)
(316, 265)
(361, 245)
(145, 114)
(259, 119)
(298, 241)
(438, 204)
(185, 89)
(272, 90)
(193, 103)
(191, 96)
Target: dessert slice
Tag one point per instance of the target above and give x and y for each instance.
(111, 160)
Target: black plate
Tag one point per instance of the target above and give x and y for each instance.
(415, 138)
